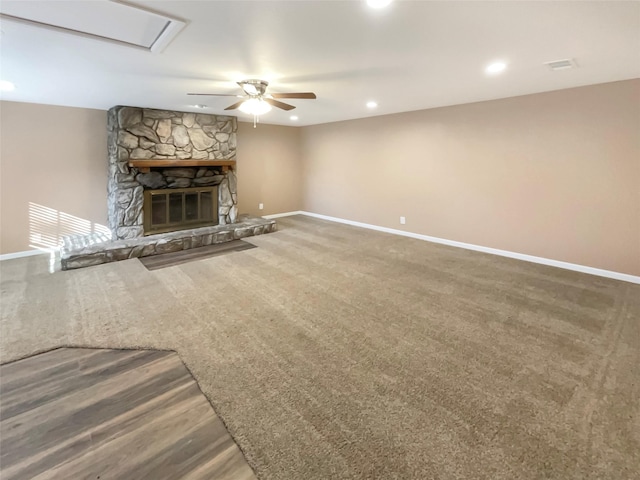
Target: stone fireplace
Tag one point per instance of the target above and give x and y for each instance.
(171, 186)
(177, 160)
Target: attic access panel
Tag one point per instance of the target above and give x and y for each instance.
(99, 19)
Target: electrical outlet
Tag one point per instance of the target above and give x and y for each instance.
(403, 220)
(261, 206)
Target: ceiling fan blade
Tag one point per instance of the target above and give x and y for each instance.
(309, 95)
(216, 94)
(282, 105)
(235, 105)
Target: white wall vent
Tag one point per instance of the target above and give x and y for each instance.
(105, 20)
(561, 64)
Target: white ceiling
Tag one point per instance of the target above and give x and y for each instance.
(410, 56)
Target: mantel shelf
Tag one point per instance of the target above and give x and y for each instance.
(145, 165)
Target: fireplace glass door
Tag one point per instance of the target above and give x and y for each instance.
(178, 209)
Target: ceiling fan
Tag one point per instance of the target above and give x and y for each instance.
(256, 101)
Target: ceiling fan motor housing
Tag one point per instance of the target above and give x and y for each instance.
(254, 87)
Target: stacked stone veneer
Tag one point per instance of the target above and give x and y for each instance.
(142, 133)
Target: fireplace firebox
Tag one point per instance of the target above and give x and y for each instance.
(173, 209)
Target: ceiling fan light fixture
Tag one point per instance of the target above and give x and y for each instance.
(255, 107)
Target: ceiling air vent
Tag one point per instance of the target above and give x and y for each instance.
(561, 64)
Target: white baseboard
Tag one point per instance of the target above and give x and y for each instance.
(478, 248)
(26, 253)
(286, 214)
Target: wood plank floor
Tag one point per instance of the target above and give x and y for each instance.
(155, 262)
(76, 413)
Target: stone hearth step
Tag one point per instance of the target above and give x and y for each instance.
(87, 250)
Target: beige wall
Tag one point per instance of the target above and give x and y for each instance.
(60, 154)
(53, 173)
(269, 169)
(555, 175)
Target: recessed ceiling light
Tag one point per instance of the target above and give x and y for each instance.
(199, 106)
(372, 104)
(6, 86)
(293, 117)
(378, 3)
(496, 67)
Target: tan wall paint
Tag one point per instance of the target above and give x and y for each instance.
(54, 158)
(60, 152)
(556, 175)
(269, 169)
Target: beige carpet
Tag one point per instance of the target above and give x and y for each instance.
(333, 352)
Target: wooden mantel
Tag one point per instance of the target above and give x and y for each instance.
(144, 165)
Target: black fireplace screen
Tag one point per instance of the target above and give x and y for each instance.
(179, 208)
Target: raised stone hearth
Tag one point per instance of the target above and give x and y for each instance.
(87, 250)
